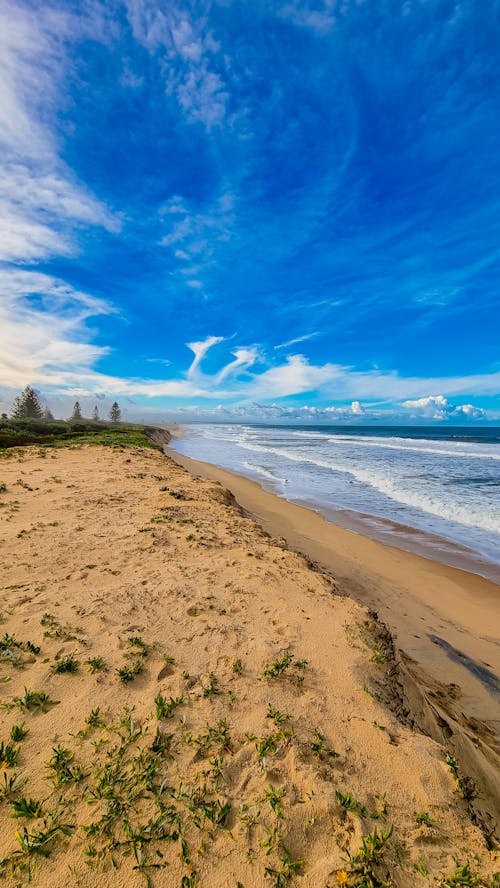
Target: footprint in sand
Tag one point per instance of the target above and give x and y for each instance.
(168, 669)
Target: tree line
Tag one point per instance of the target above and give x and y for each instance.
(27, 405)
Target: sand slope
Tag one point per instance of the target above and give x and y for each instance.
(123, 555)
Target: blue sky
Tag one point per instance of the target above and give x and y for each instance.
(252, 209)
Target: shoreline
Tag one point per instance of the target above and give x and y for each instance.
(387, 531)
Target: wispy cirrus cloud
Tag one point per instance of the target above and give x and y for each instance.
(42, 205)
(43, 336)
(296, 340)
(200, 349)
(243, 359)
(188, 56)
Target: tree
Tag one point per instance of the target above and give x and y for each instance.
(4, 416)
(95, 414)
(77, 413)
(115, 413)
(47, 414)
(27, 405)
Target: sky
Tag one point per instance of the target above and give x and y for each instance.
(252, 210)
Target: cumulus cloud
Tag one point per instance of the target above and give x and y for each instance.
(438, 407)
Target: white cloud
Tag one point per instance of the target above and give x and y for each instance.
(44, 342)
(200, 349)
(296, 341)
(188, 56)
(243, 358)
(438, 407)
(320, 20)
(195, 236)
(293, 377)
(41, 204)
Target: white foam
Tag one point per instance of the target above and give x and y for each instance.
(398, 489)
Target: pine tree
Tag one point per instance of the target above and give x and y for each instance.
(47, 414)
(77, 413)
(115, 413)
(95, 414)
(27, 405)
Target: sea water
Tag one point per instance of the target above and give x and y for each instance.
(442, 481)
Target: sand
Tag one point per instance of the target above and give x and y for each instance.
(276, 751)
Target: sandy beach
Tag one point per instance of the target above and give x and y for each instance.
(220, 711)
(445, 622)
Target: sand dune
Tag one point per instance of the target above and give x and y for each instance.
(246, 741)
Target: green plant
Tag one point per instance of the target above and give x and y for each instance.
(164, 708)
(464, 784)
(273, 839)
(18, 732)
(11, 785)
(319, 747)
(26, 808)
(349, 802)
(278, 717)
(37, 842)
(161, 743)
(94, 719)
(463, 875)
(237, 667)
(60, 768)
(66, 664)
(277, 668)
(422, 868)
(32, 648)
(274, 797)
(95, 664)
(368, 856)
(31, 700)
(8, 755)
(287, 870)
(216, 735)
(8, 643)
(211, 686)
(137, 643)
(424, 818)
(272, 743)
(128, 673)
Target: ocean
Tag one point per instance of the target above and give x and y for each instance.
(442, 482)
